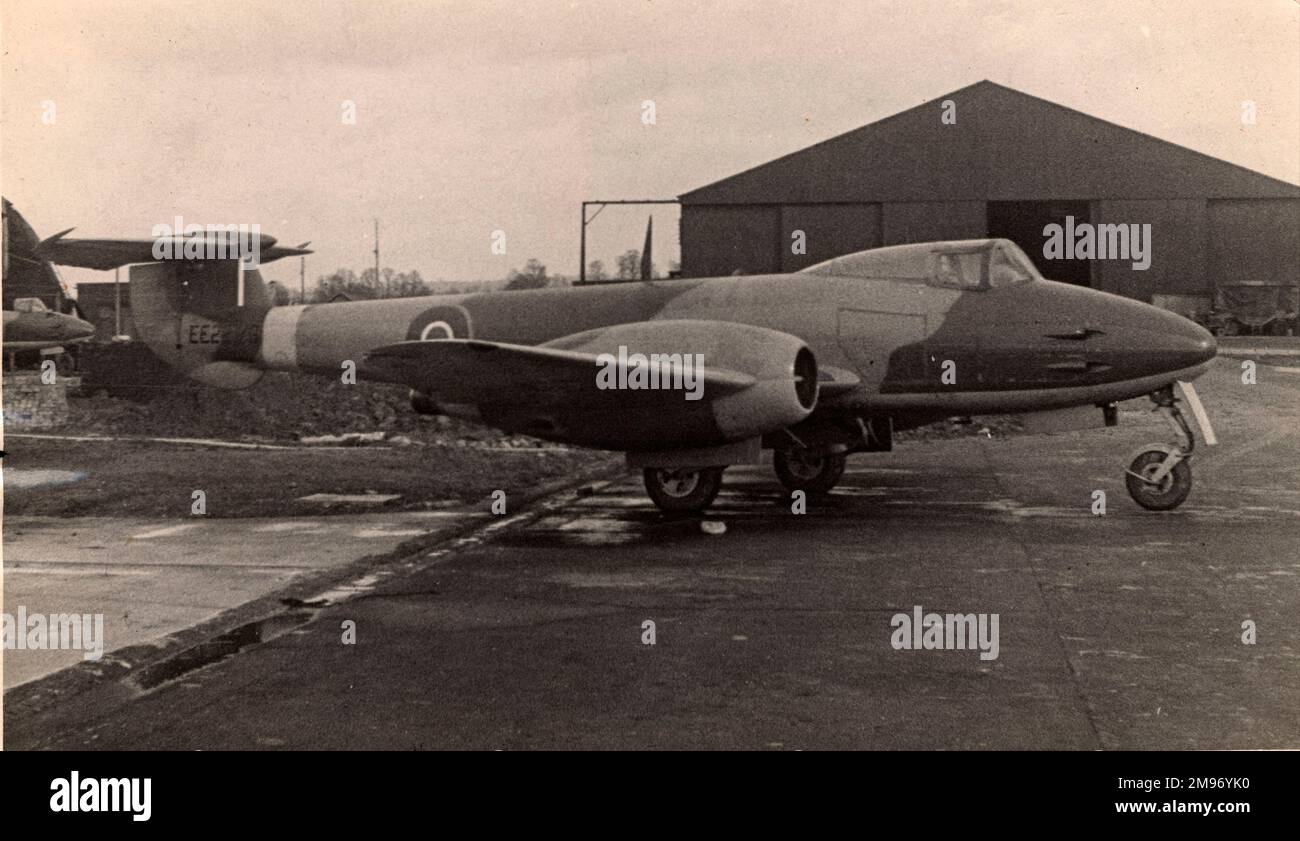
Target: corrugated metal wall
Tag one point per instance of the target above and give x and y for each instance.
(906, 222)
(1254, 239)
(719, 240)
(829, 230)
(1178, 248)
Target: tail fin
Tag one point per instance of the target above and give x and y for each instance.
(204, 319)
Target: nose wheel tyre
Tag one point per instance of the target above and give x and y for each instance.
(684, 490)
(1164, 495)
(814, 475)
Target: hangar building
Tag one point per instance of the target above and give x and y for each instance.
(1009, 165)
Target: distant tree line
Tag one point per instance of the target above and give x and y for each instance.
(629, 267)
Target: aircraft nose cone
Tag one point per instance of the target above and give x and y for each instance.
(1191, 343)
(1206, 346)
(1178, 343)
(75, 328)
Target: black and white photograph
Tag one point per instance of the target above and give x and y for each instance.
(436, 375)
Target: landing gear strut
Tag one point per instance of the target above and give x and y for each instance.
(1160, 476)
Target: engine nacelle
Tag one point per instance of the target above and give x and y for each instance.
(782, 391)
(777, 400)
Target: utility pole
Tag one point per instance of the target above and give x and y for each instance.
(302, 279)
(376, 256)
(117, 302)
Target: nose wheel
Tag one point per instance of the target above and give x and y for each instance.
(1153, 486)
(1160, 476)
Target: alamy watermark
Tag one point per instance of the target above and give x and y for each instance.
(920, 631)
(180, 241)
(92, 794)
(1085, 241)
(682, 371)
(84, 632)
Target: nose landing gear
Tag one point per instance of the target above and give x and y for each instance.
(1160, 476)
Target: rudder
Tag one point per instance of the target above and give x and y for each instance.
(202, 318)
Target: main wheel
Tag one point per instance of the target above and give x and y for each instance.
(813, 475)
(1165, 495)
(690, 489)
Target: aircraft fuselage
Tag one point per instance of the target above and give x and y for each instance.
(914, 346)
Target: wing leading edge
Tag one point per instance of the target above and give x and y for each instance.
(476, 371)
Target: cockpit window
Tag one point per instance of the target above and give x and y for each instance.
(991, 267)
(29, 305)
(960, 269)
(1008, 266)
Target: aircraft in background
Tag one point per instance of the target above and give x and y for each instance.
(814, 365)
(32, 326)
(29, 323)
(111, 253)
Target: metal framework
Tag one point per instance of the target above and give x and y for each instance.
(600, 205)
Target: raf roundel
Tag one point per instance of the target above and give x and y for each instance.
(444, 321)
(437, 330)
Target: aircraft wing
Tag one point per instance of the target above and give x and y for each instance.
(474, 371)
(833, 381)
(111, 253)
(647, 385)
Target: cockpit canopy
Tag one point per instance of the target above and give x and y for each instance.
(29, 305)
(957, 264)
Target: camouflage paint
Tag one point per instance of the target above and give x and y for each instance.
(1033, 344)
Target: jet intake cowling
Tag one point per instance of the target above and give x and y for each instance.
(773, 402)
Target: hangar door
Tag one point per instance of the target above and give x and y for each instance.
(1252, 261)
(1254, 240)
(720, 240)
(1022, 222)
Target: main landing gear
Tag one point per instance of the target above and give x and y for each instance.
(683, 490)
(1160, 476)
(801, 470)
(692, 489)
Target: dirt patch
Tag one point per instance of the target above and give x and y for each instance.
(280, 408)
(980, 426)
(158, 480)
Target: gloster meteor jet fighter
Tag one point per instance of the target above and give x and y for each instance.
(689, 376)
(30, 325)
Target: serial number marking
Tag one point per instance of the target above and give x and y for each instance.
(211, 334)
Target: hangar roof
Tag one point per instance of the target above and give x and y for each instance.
(1004, 145)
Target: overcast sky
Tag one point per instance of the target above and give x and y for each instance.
(480, 116)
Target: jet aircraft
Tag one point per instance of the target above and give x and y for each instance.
(30, 325)
(813, 366)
